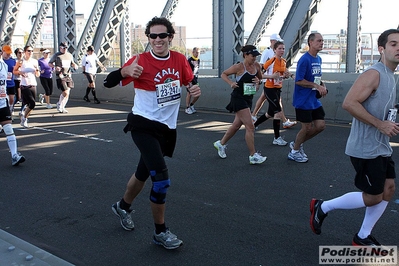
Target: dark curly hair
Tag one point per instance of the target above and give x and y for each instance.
(160, 21)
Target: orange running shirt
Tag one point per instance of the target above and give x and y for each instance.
(274, 65)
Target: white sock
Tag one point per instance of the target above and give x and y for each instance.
(12, 144)
(351, 200)
(60, 100)
(371, 216)
(65, 101)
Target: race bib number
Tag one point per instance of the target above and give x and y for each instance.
(3, 91)
(317, 80)
(249, 88)
(168, 93)
(3, 96)
(9, 75)
(278, 82)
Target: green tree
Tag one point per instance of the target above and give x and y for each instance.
(137, 47)
(178, 49)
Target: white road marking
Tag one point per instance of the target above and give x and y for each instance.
(72, 134)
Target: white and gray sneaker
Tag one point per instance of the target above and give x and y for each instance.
(189, 111)
(124, 216)
(193, 109)
(17, 159)
(167, 239)
(41, 98)
(257, 158)
(297, 157)
(25, 124)
(289, 124)
(301, 149)
(22, 119)
(221, 149)
(279, 141)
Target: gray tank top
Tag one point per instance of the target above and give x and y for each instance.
(366, 141)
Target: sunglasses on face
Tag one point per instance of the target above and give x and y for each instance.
(160, 35)
(29, 51)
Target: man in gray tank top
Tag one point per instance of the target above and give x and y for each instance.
(371, 102)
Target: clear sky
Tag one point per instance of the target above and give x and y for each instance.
(377, 16)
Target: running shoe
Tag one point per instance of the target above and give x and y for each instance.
(254, 118)
(96, 101)
(279, 141)
(22, 119)
(221, 149)
(41, 98)
(257, 158)
(297, 157)
(167, 239)
(124, 216)
(25, 124)
(17, 159)
(49, 106)
(189, 111)
(288, 124)
(193, 109)
(301, 150)
(317, 216)
(86, 99)
(368, 241)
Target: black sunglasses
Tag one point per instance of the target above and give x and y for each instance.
(160, 35)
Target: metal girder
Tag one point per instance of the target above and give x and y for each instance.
(105, 35)
(167, 12)
(228, 32)
(9, 16)
(37, 25)
(238, 25)
(354, 38)
(66, 24)
(126, 37)
(169, 8)
(90, 29)
(296, 26)
(263, 21)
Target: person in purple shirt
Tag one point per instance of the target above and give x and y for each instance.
(46, 77)
(11, 90)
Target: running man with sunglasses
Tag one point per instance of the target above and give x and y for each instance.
(158, 76)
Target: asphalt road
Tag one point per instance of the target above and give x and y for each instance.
(226, 211)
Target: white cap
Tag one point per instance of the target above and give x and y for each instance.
(46, 51)
(276, 37)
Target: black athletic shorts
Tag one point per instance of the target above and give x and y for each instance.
(372, 173)
(308, 116)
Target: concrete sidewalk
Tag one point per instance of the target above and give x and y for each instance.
(15, 251)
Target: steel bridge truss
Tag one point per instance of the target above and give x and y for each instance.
(110, 17)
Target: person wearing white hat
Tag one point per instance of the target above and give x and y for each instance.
(46, 77)
(266, 55)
